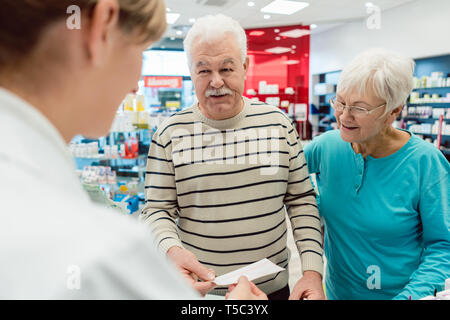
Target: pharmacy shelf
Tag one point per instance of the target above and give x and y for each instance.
(103, 158)
(444, 136)
(411, 118)
(273, 94)
(431, 88)
(430, 104)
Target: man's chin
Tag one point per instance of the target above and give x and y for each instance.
(220, 107)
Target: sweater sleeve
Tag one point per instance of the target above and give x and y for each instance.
(161, 207)
(300, 201)
(434, 266)
(312, 155)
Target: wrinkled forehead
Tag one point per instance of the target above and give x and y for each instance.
(203, 62)
(359, 99)
(219, 45)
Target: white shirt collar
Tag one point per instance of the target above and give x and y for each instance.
(30, 141)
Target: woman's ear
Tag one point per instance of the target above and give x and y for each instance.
(393, 114)
(100, 30)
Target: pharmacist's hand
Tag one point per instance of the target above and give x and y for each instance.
(245, 290)
(308, 287)
(192, 270)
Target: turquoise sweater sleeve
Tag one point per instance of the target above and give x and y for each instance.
(434, 267)
(312, 155)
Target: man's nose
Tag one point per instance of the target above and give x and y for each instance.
(216, 81)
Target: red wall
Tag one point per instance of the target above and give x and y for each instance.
(272, 68)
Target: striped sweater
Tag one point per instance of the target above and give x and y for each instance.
(221, 189)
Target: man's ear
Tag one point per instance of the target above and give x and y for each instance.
(103, 22)
(246, 63)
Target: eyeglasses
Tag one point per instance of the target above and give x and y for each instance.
(357, 112)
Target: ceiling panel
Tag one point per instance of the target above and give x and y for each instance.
(325, 13)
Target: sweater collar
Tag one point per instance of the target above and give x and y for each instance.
(226, 123)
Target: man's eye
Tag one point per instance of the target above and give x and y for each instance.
(227, 70)
(203, 71)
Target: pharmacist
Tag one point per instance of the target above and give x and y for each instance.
(56, 82)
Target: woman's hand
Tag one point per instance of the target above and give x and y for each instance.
(192, 270)
(245, 290)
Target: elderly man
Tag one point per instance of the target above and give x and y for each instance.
(221, 173)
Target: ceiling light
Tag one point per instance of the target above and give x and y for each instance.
(369, 4)
(276, 30)
(313, 26)
(172, 38)
(295, 33)
(251, 4)
(284, 7)
(278, 50)
(172, 17)
(267, 16)
(192, 20)
(168, 9)
(256, 33)
(179, 32)
(292, 62)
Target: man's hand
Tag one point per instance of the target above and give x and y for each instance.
(308, 287)
(192, 270)
(245, 290)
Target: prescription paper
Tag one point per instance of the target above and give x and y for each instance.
(253, 271)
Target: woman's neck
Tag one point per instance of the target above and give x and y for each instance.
(385, 143)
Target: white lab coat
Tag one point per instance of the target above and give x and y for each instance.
(54, 242)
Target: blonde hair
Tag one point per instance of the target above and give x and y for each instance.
(22, 22)
(148, 17)
(387, 74)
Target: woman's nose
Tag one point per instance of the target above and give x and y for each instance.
(345, 114)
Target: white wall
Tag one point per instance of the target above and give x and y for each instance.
(417, 29)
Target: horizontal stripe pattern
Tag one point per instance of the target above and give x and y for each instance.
(232, 213)
(216, 131)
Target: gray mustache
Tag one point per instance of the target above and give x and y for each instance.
(218, 92)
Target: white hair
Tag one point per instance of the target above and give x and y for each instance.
(388, 74)
(213, 27)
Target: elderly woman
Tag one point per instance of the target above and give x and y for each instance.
(383, 192)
